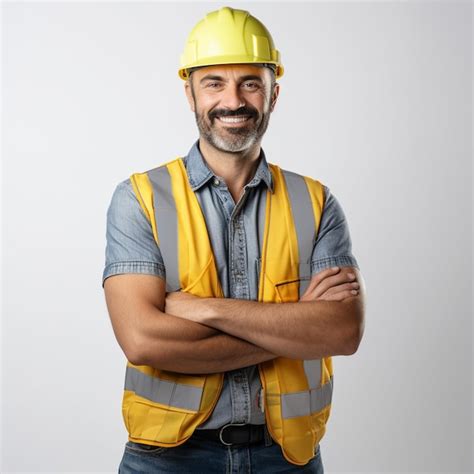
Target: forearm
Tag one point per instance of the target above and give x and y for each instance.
(172, 343)
(301, 330)
(216, 353)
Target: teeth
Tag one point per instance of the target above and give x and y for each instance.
(233, 119)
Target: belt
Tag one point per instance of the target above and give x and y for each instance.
(237, 433)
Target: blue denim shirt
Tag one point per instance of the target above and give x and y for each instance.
(233, 232)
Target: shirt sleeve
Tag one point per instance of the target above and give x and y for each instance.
(333, 245)
(131, 247)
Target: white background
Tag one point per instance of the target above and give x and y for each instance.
(375, 102)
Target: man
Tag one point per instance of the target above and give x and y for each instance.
(230, 282)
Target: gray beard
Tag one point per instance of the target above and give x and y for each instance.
(238, 139)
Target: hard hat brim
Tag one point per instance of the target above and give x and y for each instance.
(183, 71)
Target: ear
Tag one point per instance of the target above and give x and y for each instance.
(189, 94)
(276, 91)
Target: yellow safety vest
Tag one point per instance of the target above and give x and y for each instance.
(163, 408)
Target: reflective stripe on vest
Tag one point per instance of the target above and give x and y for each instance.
(158, 390)
(305, 224)
(305, 403)
(165, 212)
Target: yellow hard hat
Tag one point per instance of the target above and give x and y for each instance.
(229, 36)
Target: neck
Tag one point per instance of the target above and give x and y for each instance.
(237, 168)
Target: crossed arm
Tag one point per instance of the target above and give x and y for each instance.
(207, 335)
(149, 336)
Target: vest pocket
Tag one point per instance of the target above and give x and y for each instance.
(288, 289)
(155, 399)
(146, 421)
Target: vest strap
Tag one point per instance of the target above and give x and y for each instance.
(304, 221)
(165, 212)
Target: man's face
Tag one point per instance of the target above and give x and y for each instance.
(232, 104)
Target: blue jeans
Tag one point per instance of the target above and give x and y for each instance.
(198, 455)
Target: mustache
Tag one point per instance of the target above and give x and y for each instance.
(233, 113)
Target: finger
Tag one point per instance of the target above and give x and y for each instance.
(340, 296)
(320, 276)
(327, 278)
(335, 296)
(316, 293)
(342, 287)
(333, 281)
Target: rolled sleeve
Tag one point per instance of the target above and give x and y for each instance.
(131, 247)
(333, 245)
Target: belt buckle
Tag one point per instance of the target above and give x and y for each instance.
(225, 426)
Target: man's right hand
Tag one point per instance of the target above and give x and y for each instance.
(332, 285)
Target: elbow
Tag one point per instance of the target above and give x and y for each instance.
(142, 351)
(355, 331)
(134, 355)
(134, 350)
(352, 345)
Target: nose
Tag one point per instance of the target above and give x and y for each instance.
(232, 97)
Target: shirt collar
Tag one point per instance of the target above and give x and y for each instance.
(199, 173)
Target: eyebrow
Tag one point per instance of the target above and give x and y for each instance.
(215, 77)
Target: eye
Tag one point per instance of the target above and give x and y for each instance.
(213, 85)
(251, 85)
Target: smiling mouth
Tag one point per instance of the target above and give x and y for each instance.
(235, 119)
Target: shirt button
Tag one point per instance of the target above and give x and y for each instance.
(238, 378)
(216, 182)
